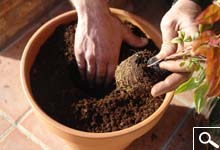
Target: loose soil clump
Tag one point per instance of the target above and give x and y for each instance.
(59, 91)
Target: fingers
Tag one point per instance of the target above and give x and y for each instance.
(169, 84)
(81, 64)
(110, 74)
(189, 30)
(97, 72)
(90, 68)
(175, 66)
(105, 73)
(132, 39)
(100, 73)
(168, 33)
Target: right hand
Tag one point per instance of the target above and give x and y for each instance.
(180, 17)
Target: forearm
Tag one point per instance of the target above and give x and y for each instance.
(91, 7)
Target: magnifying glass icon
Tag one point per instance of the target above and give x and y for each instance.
(208, 140)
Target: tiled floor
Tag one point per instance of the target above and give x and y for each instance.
(20, 129)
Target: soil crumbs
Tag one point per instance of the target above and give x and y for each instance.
(59, 91)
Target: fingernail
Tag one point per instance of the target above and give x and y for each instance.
(153, 93)
(162, 64)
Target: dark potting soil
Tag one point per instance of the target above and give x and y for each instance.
(59, 91)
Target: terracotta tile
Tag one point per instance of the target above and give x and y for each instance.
(12, 99)
(17, 141)
(4, 125)
(11, 92)
(54, 142)
(159, 134)
(184, 138)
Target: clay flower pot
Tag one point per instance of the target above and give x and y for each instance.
(79, 140)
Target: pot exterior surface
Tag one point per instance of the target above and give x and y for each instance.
(79, 140)
(120, 142)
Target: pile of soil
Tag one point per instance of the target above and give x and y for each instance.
(58, 89)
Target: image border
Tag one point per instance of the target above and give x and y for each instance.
(202, 128)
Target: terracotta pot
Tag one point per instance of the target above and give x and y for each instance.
(117, 140)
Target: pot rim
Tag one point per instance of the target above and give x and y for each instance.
(66, 129)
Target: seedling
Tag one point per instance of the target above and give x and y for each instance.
(205, 80)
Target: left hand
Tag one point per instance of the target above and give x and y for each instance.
(180, 17)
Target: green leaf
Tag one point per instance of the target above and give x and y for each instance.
(196, 68)
(201, 28)
(205, 27)
(190, 65)
(196, 64)
(182, 64)
(208, 26)
(192, 83)
(201, 76)
(188, 39)
(200, 96)
(181, 34)
(176, 40)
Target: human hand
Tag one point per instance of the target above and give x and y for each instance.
(180, 17)
(98, 39)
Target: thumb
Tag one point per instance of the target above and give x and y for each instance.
(167, 48)
(132, 39)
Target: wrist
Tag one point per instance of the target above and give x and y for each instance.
(88, 8)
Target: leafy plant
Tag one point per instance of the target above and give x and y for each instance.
(205, 80)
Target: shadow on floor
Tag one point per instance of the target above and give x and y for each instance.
(170, 133)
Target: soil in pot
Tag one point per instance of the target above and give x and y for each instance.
(59, 91)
